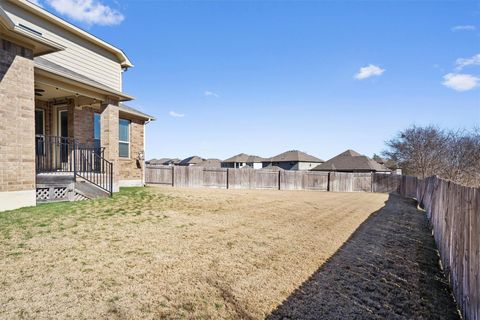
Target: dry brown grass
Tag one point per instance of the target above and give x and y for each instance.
(171, 253)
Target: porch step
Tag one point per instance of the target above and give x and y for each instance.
(52, 187)
(89, 190)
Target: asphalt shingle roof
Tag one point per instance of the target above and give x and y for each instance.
(351, 161)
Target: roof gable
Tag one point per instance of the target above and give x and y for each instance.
(294, 156)
(351, 160)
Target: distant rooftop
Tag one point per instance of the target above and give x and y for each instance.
(294, 156)
(351, 160)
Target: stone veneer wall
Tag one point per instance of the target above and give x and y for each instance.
(17, 129)
(132, 169)
(109, 138)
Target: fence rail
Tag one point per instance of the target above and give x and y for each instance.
(454, 215)
(245, 178)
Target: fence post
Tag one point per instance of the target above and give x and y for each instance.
(279, 180)
(227, 178)
(173, 176)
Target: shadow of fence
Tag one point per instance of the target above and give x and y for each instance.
(388, 269)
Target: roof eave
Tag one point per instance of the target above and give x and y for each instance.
(142, 116)
(33, 8)
(40, 45)
(121, 96)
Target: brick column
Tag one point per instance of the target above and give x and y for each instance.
(17, 127)
(109, 137)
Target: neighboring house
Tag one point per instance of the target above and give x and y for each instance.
(389, 164)
(243, 160)
(157, 162)
(293, 160)
(190, 161)
(65, 132)
(210, 163)
(173, 162)
(351, 161)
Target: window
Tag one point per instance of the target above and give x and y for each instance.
(96, 130)
(124, 138)
(39, 132)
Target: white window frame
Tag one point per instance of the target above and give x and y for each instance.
(125, 142)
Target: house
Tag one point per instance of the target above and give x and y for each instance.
(210, 163)
(243, 160)
(191, 161)
(351, 161)
(293, 160)
(158, 162)
(65, 130)
(389, 164)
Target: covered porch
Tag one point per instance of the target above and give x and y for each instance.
(76, 135)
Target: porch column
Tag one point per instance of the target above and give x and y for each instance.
(109, 137)
(17, 127)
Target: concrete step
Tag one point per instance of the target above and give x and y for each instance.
(89, 190)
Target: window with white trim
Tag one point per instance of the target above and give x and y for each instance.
(124, 138)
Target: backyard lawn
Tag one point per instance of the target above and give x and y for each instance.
(173, 253)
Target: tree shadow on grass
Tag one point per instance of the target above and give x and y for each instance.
(388, 269)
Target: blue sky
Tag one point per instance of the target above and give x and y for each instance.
(224, 77)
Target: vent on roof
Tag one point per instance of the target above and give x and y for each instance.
(30, 29)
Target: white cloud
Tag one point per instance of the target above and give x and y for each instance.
(460, 82)
(369, 71)
(176, 115)
(464, 62)
(88, 11)
(211, 94)
(464, 28)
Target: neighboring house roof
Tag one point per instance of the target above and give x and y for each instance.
(161, 161)
(350, 161)
(38, 11)
(123, 107)
(173, 161)
(40, 44)
(191, 160)
(244, 158)
(294, 156)
(271, 167)
(53, 68)
(210, 163)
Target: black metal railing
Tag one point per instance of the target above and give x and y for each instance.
(59, 154)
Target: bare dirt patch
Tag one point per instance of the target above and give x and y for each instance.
(171, 253)
(388, 270)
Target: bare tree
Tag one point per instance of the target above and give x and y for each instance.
(418, 150)
(426, 151)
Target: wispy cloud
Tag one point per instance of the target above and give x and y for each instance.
(460, 82)
(464, 28)
(211, 94)
(369, 71)
(465, 62)
(87, 11)
(176, 115)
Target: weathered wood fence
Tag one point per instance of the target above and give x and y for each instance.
(245, 178)
(454, 215)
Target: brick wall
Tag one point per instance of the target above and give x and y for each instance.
(17, 118)
(83, 124)
(132, 168)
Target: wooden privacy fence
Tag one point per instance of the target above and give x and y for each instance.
(246, 178)
(454, 215)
